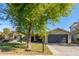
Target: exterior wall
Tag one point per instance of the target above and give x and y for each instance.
(69, 38)
(46, 38)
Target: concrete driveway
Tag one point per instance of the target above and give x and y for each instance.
(64, 49)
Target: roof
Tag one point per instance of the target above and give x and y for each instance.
(74, 24)
(58, 30)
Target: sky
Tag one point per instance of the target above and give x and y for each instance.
(64, 23)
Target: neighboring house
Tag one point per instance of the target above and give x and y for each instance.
(11, 38)
(74, 29)
(16, 37)
(58, 36)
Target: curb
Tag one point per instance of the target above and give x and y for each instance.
(52, 50)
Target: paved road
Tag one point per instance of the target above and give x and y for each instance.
(64, 49)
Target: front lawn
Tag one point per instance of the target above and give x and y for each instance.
(19, 49)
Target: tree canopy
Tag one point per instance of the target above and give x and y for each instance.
(37, 14)
(6, 31)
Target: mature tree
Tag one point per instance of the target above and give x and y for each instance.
(35, 16)
(7, 31)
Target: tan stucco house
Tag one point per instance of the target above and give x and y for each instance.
(58, 36)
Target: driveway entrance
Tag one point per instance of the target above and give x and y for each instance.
(64, 50)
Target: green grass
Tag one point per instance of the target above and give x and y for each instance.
(19, 49)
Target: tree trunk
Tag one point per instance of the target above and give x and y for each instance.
(29, 38)
(43, 44)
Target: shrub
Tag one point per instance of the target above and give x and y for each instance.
(6, 48)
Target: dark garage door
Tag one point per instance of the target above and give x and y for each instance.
(58, 38)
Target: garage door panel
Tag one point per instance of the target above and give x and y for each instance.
(57, 38)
